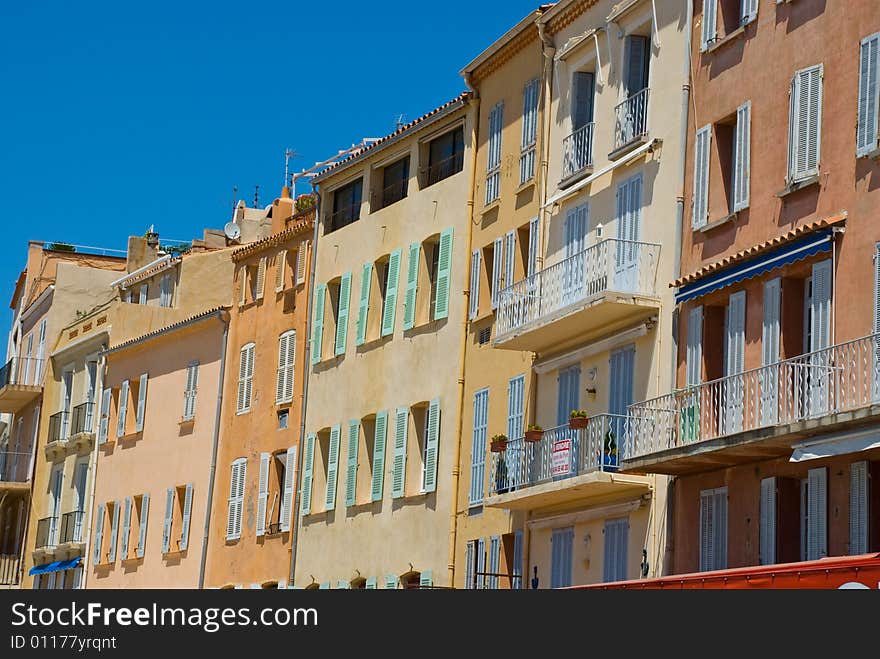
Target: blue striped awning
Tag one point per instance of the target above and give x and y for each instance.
(814, 243)
(57, 566)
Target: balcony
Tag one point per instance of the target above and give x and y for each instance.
(756, 414)
(577, 153)
(20, 383)
(47, 533)
(9, 569)
(393, 193)
(442, 169)
(15, 472)
(631, 123)
(564, 466)
(72, 527)
(82, 426)
(610, 283)
(56, 442)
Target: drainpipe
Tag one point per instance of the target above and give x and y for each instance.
(310, 284)
(93, 462)
(456, 459)
(224, 318)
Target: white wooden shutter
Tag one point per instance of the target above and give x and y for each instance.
(509, 258)
(534, 246)
(370, 584)
(433, 444)
(261, 278)
(398, 474)
(742, 156)
(702, 149)
(352, 462)
(126, 528)
(770, 330)
(876, 288)
(308, 463)
(236, 499)
(748, 11)
(245, 378)
(142, 531)
(694, 357)
(469, 551)
(280, 267)
(104, 422)
(114, 533)
(379, 442)
(481, 563)
(817, 513)
(123, 408)
(389, 311)
(142, 294)
(736, 328)
(475, 285)
(142, 402)
(242, 285)
(869, 95)
(301, 257)
(289, 477)
(286, 357)
(99, 535)
(189, 394)
(494, 561)
(497, 269)
(767, 547)
(168, 521)
(186, 517)
(332, 467)
(858, 508)
(821, 306)
(806, 123)
(710, 14)
(515, 406)
(263, 492)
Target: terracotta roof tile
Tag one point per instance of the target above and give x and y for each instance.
(167, 328)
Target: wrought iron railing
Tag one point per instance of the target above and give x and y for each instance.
(443, 169)
(611, 265)
(72, 526)
(58, 426)
(344, 216)
(394, 192)
(836, 379)
(631, 119)
(83, 419)
(22, 371)
(560, 453)
(577, 151)
(15, 466)
(47, 532)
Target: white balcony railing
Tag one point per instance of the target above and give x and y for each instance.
(837, 379)
(560, 453)
(631, 119)
(625, 266)
(577, 151)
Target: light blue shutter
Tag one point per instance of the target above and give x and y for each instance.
(869, 95)
(515, 404)
(517, 581)
(142, 403)
(114, 532)
(103, 423)
(352, 464)
(390, 309)
(509, 258)
(432, 447)
(469, 564)
(308, 458)
(398, 478)
(615, 558)
(767, 547)
(481, 563)
(126, 528)
(325, 585)
(568, 396)
(318, 323)
(332, 467)
(742, 156)
(142, 531)
(169, 518)
(342, 316)
(702, 149)
(497, 270)
(185, 518)
(494, 561)
(444, 275)
(426, 579)
(343, 585)
(710, 17)
(478, 447)
(474, 302)
(371, 583)
(364, 304)
(858, 508)
(99, 535)
(412, 282)
(289, 476)
(123, 407)
(391, 581)
(379, 439)
(561, 542)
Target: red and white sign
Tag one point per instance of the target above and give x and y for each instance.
(560, 458)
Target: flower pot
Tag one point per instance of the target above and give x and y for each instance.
(498, 445)
(533, 435)
(578, 423)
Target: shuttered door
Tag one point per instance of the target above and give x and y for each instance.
(769, 375)
(478, 447)
(616, 534)
(858, 508)
(622, 379)
(568, 393)
(629, 220)
(733, 385)
(514, 455)
(767, 547)
(561, 542)
(820, 338)
(817, 513)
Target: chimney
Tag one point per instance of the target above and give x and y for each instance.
(152, 237)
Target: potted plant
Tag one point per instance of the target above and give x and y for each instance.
(609, 452)
(534, 433)
(498, 443)
(578, 420)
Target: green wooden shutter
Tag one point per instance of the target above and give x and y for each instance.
(398, 478)
(412, 283)
(342, 316)
(332, 468)
(126, 528)
(343, 585)
(388, 313)
(371, 583)
(318, 323)
(433, 441)
(352, 465)
(444, 275)
(391, 581)
(364, 304)
(378, 479)
(426, 578)
(309, 459)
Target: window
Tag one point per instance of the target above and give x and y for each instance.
(245, 378)
(165, 290)
(529, 130)
(275, 491)
(495, 257)
(236, 499)
(178, 511)
(713, 529)
(478, 447)
(189, 393)
(493, 160)
(346, 206)
(859, 507)
(106, 533)
(283, 418)
(732, 137)
(578, 147)
(142, 296)
(616, 541)
(445, 156)
(805, 124)
(286, 360)
(733, 15)
(815, 514)
(637, 61)
(703, 150)
(867, 132)
(395, 179)
(561, 545)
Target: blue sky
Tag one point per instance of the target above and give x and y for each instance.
(118, 115)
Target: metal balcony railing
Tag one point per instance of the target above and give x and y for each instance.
(394, 192)
(577, 151)
(22, 371)
(443, 169)
(72, 526)
(83, 419)
(836, 379)
(344, 216)
(631, 119)
(560, 453)
(14, 467)
(47, 532)
(611, 265)
(58, 426)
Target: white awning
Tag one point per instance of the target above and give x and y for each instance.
(839, 444)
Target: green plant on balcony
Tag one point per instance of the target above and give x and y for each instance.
(534, 433)
(498, 443)
(578, 420)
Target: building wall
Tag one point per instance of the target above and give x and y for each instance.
(266, 559)
(411, 367)
(167, 453)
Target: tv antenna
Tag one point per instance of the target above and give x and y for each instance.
(289, 154)
(256, 196)
(399, 122)
(234, 196)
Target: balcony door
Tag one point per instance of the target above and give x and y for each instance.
(574, 266)
(820, 362)
(82, 474)
(620, 397)
(629, 228)
(568, 399)
(55, 505)
(91, 388)
(734, 363)
(66, 398)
